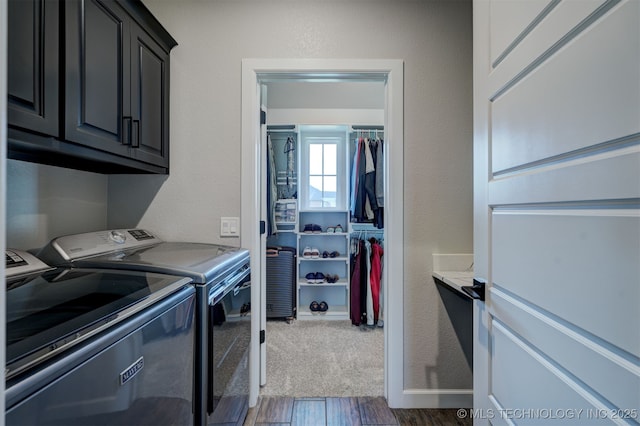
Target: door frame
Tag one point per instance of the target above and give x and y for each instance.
(3, 181)
(256, 71)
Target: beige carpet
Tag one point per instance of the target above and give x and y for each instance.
(323, 359)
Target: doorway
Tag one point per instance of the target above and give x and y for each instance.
(255, 73)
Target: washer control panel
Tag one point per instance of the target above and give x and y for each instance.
(67, 248)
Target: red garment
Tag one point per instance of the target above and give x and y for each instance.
(376, 274)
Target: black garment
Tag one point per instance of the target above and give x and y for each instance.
(365, 187)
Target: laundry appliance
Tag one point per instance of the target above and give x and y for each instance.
(221, 278)
(100, 347)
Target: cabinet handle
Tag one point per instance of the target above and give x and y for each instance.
(126, 136)
(135, 142)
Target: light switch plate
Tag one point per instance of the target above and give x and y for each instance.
(229, 226)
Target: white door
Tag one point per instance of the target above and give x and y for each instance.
(557, 211)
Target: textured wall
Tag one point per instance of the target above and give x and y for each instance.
(434, 40)
(44, 202)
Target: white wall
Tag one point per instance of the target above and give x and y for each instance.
(433, 38)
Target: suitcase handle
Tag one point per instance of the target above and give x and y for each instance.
(272, 252)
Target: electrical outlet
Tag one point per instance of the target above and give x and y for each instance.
(229, 226)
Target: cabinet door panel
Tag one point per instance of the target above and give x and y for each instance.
(97, 72)
(149, 99)
(33, 65)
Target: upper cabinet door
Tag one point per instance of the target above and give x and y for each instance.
(97, 72)
(33, 69)
(149, 99)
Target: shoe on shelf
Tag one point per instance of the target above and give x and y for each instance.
(314, 306)
(325, 254)
(334, 254)
(316, 229)
(339, 229)
(311, 277)
(315, 253)
(308, 228)
(332, 278)
(307, 253)
(331, 229)
(319, 277)
(323, 307)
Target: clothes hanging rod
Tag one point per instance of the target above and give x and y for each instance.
(365, 128)
(282, 128)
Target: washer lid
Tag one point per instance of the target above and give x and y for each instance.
(201, 262)
(50, 312)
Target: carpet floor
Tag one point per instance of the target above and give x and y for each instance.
(323, 358)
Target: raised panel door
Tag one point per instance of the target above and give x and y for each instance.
(32, 65)
(149, 99)
(98, 75)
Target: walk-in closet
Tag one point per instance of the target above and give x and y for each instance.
(325, 239)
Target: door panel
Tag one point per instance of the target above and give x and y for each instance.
(511, 19)
(600, 365)
(565, 103)
(561, 253)
(557, 229)
(97, 72)
(516, 363)
(149, 99)
(32, 71)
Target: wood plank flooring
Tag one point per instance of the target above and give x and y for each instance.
(345, 411)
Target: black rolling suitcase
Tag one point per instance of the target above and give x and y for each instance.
(281, 282)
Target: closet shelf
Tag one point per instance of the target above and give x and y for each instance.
(334, 312)
(339, 283)
(323, 234)
(323, 259)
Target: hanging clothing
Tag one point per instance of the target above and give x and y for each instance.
(354, 178)
(366, 282)
(356, 287)
(272, 188)
(367, 182)
(289, 148)
(370, 313)
(376, 278)
(379, 173)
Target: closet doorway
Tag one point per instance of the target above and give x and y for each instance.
(265, 78)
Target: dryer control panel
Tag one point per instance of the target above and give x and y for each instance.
(18, 263)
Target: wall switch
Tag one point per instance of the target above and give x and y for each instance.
(229, 226)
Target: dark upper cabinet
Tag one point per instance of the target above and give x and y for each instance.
(114, 94)
(97, 75)
(33, 67)
(149, 98)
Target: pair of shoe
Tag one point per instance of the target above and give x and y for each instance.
(326, 254)
(332, 278)
(335, 229)
(318, 307)
(312, 228)
(310, 253)
(315, 277)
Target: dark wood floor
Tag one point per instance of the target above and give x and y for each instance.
(356, 411)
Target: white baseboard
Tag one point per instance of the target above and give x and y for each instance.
(436, 398)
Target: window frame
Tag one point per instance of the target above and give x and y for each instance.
(317, 134)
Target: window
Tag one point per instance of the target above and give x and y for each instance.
(323, 168)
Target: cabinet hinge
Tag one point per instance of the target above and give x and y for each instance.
(263, 336)
(263, 117)
(263, 227)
